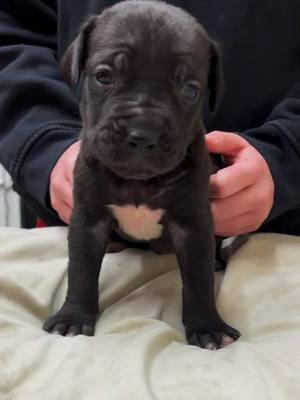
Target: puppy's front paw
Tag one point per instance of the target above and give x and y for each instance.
(71, 320)
(213, 336)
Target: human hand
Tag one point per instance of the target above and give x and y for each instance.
(61, 183)
(242, 193)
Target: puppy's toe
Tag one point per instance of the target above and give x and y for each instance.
(73, 330)
(71, 321)
(59, 329)
(205, 340)
(88, 330)
(213, 338)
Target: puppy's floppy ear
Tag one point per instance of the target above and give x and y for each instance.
(72, 62)
(215, 78)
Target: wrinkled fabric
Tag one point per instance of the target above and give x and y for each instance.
(139, 350)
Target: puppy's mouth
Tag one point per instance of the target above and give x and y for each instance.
(139, 170)
(143, 176)
(141, 150)
(171, 172)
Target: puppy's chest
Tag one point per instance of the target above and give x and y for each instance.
(140, 222)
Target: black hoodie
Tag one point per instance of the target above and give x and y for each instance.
(39, 115)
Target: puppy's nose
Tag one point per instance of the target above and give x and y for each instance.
(142, 140)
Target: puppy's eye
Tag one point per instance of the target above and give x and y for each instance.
(105, 76)
(191, 90)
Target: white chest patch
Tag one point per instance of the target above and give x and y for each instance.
(140, 222)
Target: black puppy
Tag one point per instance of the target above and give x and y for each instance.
(143, 68)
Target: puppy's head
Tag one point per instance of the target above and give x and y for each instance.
(143, 68)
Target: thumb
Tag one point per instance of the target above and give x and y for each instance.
(226, 143)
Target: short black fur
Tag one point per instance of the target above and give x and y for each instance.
(142, 143)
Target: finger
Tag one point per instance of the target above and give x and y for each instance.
(225, 143)
(235, 205)
(67, 193)
(62, 201)
(62, 194)
(65, 212)
(232, 179)
(238, 225)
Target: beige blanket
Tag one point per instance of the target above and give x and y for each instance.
(139, 351)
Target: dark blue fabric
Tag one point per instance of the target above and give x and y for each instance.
(39, 116)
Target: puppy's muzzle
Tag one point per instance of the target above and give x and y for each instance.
(140, 141)
(142, 135)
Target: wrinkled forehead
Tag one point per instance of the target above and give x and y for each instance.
(152, 36)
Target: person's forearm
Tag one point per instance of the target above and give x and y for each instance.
(39, 115)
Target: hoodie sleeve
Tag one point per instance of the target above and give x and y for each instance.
(39, 116)
(278, 140)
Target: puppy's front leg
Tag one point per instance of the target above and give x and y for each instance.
(194, 244)
(86, 250)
